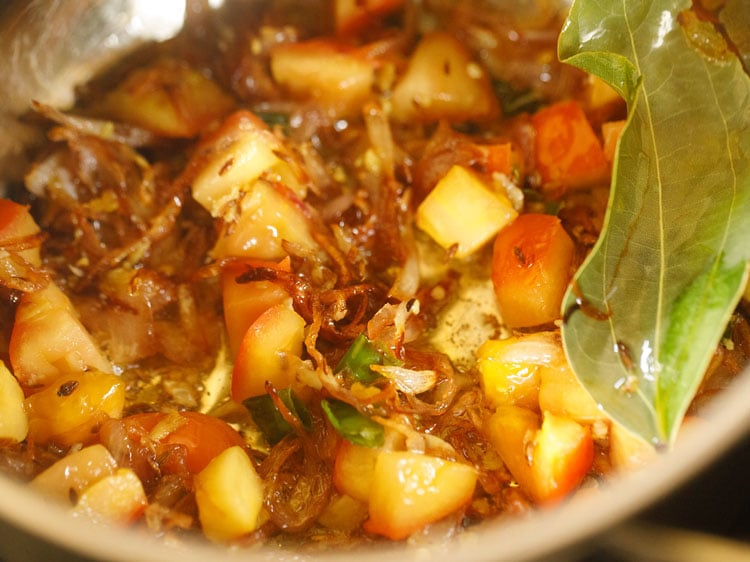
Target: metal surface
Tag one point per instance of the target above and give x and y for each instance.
(48, 47)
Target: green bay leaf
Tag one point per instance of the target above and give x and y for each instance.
(671, 262)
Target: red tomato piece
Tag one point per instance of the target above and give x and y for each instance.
(155, 436)
(17, 223)
(567, 151)
(245, 302)
(531, 269)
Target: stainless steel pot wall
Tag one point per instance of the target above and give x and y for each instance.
(50, 46)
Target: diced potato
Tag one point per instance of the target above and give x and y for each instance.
(354, 470)
(14, 424)
(266, 219)
(231, 158)
(76, 472)
(229, 494)
(411, 490)
(443, 82)
(71, 408)
(462, 213)
(561, 393)
(510, 369)
(548, 460)
(48, 340)
(270, 351)
(343, 513)
(118, 498)
(168, 98)
(336, 76)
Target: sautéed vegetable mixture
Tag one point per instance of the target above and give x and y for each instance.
(296, 276)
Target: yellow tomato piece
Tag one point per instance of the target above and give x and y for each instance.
(343, 513)
(411, 490)
(71, 408)
(229, 494)
(628, 451)
(461, 213)
(243, 303)
(511, 368)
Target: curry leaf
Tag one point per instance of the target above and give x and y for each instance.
(352, 425)
(671, 262)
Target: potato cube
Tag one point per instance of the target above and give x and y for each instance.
(411, 490)
(76, 472)
(118, 498)
(462, 213)
(14, 425)
(443, 82)
(229, 494)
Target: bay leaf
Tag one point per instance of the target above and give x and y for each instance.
(671, 262)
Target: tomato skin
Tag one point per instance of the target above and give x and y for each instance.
(198, 436)
(548, 455)
(567, 151)
(245, 302)
(16, 223)
(531, 268)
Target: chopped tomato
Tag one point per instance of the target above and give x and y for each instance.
(15, 224)
(567, 151)
(270, 351)
(48, 339)
(548, 459)
(503, 158)
(177, 441)
(245, 302)
(531, 269)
